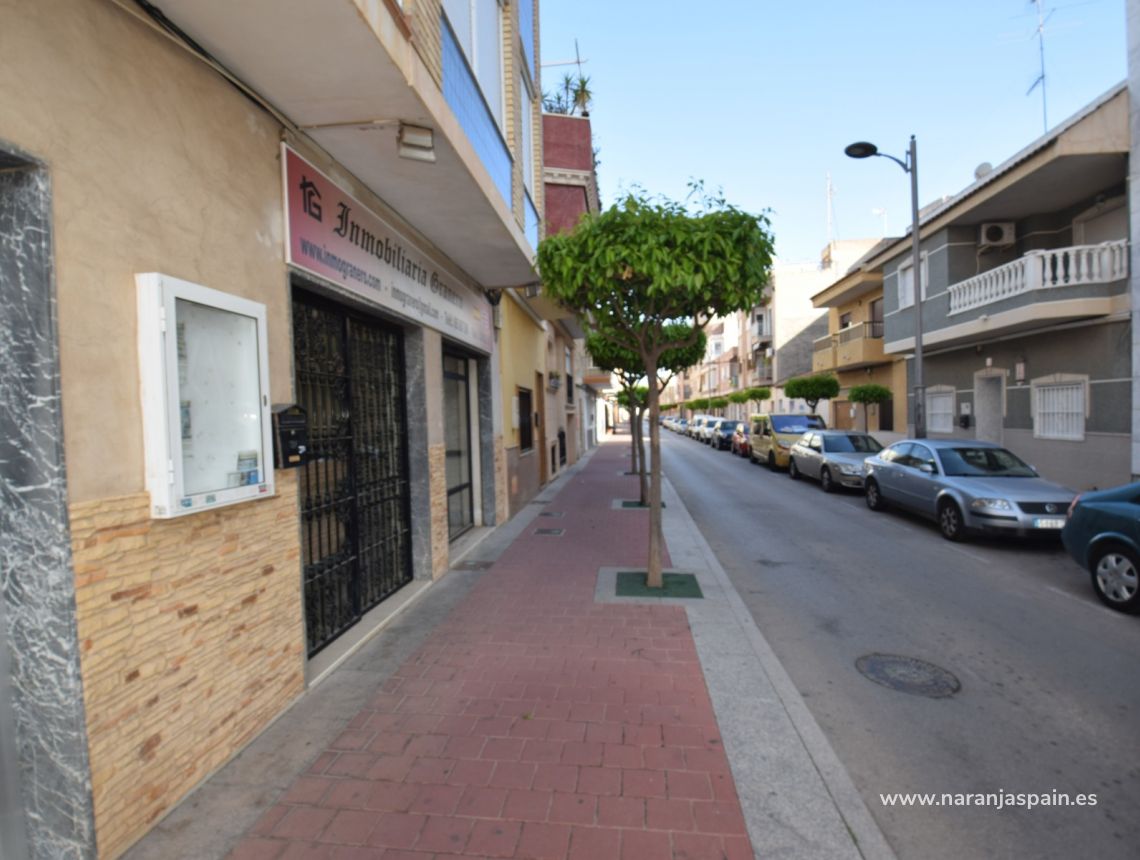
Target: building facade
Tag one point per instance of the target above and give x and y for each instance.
(252, 367)
(852, 349)
(1025, 303)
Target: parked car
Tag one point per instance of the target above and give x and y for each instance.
(1103, 534)
(774, 435)
(965, 486)
(693, 431)
(740, 444)
(722, 433)
(832, 457)
(705, 434)
(681, 425)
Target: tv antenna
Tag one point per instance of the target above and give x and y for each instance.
(577, 61)
(1042, 20)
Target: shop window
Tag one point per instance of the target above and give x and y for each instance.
(205, 396)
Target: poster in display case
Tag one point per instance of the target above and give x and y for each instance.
(205, 396)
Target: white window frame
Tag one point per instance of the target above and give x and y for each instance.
(906, 297)
(1078, 384)
(166, 416)
(470, 44)
(526, 150)
(941, 394)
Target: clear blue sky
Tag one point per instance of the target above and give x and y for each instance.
(760, 97)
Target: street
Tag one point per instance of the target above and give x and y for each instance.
(1050, 687)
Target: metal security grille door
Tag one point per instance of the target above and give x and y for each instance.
(457, 441)
(355, 521)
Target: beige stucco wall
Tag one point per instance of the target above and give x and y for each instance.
(156, 165)
(522, 353)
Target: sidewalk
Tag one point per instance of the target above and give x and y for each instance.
(522, 711)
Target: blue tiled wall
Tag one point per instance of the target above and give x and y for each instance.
(532, 222)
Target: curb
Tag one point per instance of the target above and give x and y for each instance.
(798, 799)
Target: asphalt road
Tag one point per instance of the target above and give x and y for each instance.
(1050, 680)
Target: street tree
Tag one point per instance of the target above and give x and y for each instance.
(646, 263)
(812, 389)
(626, 365)
(868, 394)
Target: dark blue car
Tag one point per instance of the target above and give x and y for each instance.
(1103, 534)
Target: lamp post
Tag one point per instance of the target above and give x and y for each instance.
(863, 149)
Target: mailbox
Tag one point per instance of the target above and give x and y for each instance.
(290, 436)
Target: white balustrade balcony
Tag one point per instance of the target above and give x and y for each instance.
(1041, 270)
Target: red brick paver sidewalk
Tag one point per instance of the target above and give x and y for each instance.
(534, 723)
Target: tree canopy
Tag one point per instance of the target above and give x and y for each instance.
(646, 264)
(812, 389)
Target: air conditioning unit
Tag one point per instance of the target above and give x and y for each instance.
(996, 234)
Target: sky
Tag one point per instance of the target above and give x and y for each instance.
(760, 97)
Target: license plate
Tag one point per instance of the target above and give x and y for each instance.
(1047, 523)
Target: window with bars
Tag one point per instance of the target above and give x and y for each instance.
(1059, 410)
(940, 410)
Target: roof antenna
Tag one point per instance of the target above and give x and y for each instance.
(1042, 20)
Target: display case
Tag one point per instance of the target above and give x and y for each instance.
(204, 372)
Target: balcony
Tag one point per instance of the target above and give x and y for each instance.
(859, 345)
(761, 333)
(1042, 271)
(347, 74)
(823, 354)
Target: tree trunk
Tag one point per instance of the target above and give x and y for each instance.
(654, 578)
(642, 469)
(632, 439)
(866, 422)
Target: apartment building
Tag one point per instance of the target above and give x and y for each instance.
(253, 254)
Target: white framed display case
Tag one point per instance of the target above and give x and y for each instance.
(204, 383)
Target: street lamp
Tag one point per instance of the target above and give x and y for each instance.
(862, 149)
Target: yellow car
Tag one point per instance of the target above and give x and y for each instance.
(774, 435)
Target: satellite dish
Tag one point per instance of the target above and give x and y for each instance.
(982, 169)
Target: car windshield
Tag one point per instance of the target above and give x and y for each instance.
(984, 462)
(796, 423)
(851, 443)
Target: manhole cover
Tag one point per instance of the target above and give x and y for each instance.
(908, 675)
(553, 514)
(555, 532)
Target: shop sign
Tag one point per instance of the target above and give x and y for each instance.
(334, 236)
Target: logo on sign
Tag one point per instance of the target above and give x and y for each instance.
(310, 198)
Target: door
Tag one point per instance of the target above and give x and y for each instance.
(353, 491)
(457, 442)
(919, 488)
(895, 460)
(539, 428)
(988, 408)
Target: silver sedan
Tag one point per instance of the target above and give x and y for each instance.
(833, 457)
(965, 486)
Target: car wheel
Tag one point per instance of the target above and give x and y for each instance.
(825, 482)
(1116, 577)
(872, 495)
(950, 521)
(771, 461)
(793, 469)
